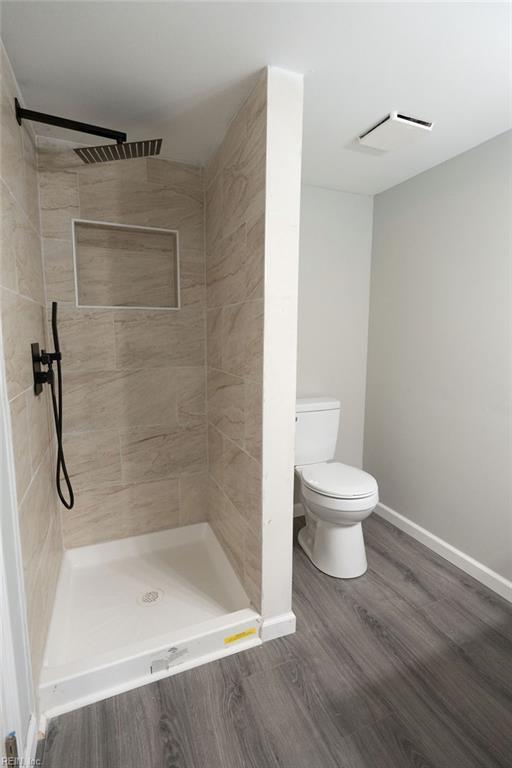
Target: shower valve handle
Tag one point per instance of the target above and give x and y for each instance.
(43, 377)
(39, 358)
(47, 358)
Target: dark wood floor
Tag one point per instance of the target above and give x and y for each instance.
(407, 666)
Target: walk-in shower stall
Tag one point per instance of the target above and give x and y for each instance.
(176, 291)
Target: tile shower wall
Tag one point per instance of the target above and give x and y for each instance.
(135, 432)
(235, 224)
(22, 322)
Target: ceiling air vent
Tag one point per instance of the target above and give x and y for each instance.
(394, 131)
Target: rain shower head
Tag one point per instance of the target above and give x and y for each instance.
(122, 151)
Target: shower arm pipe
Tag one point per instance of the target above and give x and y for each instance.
(63, 122)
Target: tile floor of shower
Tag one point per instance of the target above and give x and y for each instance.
(141, 608)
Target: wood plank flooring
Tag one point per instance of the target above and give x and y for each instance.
(409, 666)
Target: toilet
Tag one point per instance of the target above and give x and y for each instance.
(336, 497)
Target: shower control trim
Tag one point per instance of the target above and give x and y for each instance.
(39, 358)
(40, 377)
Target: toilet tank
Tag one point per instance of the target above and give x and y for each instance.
(316, 429)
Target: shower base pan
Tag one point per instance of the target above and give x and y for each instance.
(132, 611)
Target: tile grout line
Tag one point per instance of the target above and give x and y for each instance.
(34, 475)
(235, 375)
(205, 301)
(233, 442)
(23, 296)
(18, 203)
(235, 304)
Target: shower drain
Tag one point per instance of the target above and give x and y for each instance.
(150, 597)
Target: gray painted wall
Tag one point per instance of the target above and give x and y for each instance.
(439, 384)
(334, 284)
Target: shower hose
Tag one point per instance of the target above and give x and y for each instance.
(57, 413)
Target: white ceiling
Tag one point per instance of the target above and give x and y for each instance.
(180, 71)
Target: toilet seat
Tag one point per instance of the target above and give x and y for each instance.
(339, 481)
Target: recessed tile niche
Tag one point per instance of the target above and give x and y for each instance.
(125, 266)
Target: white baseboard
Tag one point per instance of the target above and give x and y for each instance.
(469, 565)
(278, 626)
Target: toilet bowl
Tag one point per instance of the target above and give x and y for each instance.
(336, 497)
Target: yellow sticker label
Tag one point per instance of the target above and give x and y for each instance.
(240, 635)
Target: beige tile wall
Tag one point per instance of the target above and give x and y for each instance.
(22, 322)
(235, 224)
(135, 432)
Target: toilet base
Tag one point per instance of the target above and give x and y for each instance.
(337, 550)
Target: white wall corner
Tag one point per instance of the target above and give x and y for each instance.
(17, 696)
(282, 224)
(33, 736)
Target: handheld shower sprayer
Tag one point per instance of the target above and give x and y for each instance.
(41, 377)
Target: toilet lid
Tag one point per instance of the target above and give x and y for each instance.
(339, 481)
